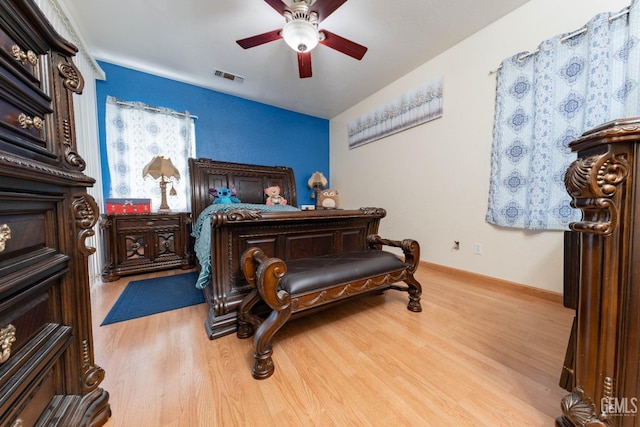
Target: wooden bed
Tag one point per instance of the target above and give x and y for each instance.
(286, 235)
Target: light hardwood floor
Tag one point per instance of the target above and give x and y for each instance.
(476, 356)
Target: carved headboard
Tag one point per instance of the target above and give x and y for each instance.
(249, 181)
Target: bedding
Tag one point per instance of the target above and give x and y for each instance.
(202, 232)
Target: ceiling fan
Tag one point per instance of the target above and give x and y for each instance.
(301, 32)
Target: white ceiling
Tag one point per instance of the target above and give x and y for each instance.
(187, 40)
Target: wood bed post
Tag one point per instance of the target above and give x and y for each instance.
(603, 183)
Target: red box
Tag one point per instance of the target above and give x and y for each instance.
(123, 206)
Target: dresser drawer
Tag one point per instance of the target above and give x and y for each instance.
(132, 222)
(25, 106)
(25, 314)
(24, 113)
(29, 410)
(26, 381)
(21, 234)
(16, 54)
(29, 244)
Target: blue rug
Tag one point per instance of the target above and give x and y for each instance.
(144, 297)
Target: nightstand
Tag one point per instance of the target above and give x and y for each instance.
(142, 243)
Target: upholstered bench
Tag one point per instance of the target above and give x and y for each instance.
(310, 284)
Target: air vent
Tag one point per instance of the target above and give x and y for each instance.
(229, 76)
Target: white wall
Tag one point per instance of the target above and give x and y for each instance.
(433, 180)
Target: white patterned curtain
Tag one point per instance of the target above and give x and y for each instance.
(135, 134)
(548, 98)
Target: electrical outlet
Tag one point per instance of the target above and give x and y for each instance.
(477, 248)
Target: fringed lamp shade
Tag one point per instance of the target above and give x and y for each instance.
(163, 169)
(317, 182)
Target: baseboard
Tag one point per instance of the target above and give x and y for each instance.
(489, 282)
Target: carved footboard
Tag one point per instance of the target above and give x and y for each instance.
(288, 236)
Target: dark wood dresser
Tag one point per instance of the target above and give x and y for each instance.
(603, 371)
(140, 243)
(47, 370)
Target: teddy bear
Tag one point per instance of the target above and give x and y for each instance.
(329, 199)
(224, 195)
(273, 196)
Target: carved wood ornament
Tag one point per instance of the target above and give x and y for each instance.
(73, 80)
(93, 374)
(606, 365)
(592, 182)
(85, 211)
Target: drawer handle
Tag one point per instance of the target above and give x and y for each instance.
(18, 423)
(27, 122)
(7, 337)
(24, 57)
(150, 223)
(5, 234)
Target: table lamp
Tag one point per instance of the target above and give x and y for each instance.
(317, 182)
(163, 169)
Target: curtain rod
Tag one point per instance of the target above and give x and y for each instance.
(569, 36)
(154, 109)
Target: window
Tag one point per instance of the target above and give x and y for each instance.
(548, 98)
(136, 133)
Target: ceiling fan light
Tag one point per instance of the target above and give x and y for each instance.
(300, 35)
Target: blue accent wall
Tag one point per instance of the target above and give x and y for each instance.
(228, 128)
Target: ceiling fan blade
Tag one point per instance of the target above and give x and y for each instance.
(278, 5)
(343, 45)
(304, 64)
(260, 39)
(324, 8)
